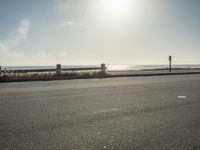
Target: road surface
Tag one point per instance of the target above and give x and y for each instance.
(152, 113)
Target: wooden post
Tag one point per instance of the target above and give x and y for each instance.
(170, 63)
(103, 67)
(58, 68)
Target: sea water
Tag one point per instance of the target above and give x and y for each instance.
(109, 67)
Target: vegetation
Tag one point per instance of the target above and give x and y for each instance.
(5, 77)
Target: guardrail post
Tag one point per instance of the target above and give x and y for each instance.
(58, 68)
(103, 67)
(170, 63)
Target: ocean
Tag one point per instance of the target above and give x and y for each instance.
(109, 67)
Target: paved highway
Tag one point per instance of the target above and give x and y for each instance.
(152, 113)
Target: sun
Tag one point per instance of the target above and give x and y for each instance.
(118, 9)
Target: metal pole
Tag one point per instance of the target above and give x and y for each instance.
(170, 63)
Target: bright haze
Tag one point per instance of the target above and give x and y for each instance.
(90, 32)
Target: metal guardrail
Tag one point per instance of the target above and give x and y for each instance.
(27, 70)
(57, 69)
(81, 69)
(48, 70)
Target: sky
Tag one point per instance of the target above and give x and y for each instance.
(91, 32)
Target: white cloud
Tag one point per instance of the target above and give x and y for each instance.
(17, 36)
(2, 46)
(66, 9)
(68, 24)
(24, 28)
(8, 46)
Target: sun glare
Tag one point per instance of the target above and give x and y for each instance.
(118, 9)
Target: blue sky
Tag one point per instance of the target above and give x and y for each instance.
(87, 32)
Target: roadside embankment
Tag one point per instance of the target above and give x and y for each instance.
(91, 74)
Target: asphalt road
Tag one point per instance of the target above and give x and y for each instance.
(152, 113)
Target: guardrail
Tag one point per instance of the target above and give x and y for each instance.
(58, 69)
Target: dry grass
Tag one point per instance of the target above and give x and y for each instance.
(45, 75)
